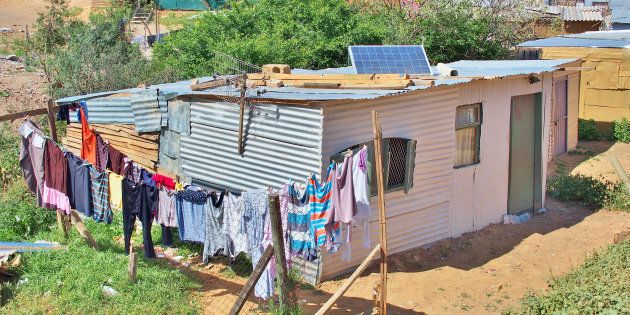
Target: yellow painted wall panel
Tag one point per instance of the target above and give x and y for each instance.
(605, 114)
(608, 98)
(624, 82)
(605, 76)
(593, 54)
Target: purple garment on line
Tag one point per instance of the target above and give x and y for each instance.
(344, 205)
(102, 153)
(363, 159)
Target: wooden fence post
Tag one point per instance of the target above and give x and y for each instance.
(251, 282)
(284, 284)
(51, 120)
(378, 135)
(83, 231)
(132, 267)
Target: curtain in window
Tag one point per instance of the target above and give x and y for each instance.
(466, 141)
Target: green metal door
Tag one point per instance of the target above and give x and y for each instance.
(525, 187)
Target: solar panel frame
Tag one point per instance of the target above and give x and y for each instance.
(389, 59)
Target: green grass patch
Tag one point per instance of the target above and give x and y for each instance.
(599, 286)
(590, 191)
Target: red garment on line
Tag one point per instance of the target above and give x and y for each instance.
(88, 141)
(161, 180)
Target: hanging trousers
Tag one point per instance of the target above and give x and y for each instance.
(139, 201)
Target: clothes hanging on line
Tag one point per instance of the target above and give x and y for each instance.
(116, 160)
(235, 232)
(55, 194)
(115, 190)
(80, 185)
(32, 149)
(167, 212)
(147, 177)
(343, 205)
(320, 203)
(215, 238)
(88, 140)
(162, 180)
(298, 239)
(100, 196)
(190, 205)
(139, 202)
(102, 153)
(362, 193)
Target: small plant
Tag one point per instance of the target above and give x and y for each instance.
(621, 130)
(587, 130)
(590, 191)
(4, 93)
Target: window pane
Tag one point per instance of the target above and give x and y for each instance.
(397, 162)
(467, 115)
(466, 146)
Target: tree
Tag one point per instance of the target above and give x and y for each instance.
(303, 34)
(81, 58)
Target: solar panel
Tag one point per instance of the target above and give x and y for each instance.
(410, 59)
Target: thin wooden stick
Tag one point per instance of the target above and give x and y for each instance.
(132, 268)
(251, 282)
(346, 285)
(378, 134)
(83, 231)
(278, 248)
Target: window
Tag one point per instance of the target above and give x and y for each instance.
(398, 163)
(467, 134)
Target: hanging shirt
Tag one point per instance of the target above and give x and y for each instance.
(102, 153)
(167, 212)
(319, 206)
(362, 193)
(344, 204)
(256, 221)
(236, 237)
(147, 177)
(100, 196)
(134, 172)
(165, 181)
(32, 158)
(215, 234)
(191, 210)
(116, 160)
(115, 190)
(88, 141)
(55, 194)
(80, 185)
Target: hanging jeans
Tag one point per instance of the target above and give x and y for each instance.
(139, 201)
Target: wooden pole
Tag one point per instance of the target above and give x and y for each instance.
(132, 268)
(282, 279)
(51, 120)
(241, 144)
(61, 224)
(346, 285)
(251, 282)
(83, 231)
(378, 135)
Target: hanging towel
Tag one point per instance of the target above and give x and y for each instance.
(320, 204)
(299, 240)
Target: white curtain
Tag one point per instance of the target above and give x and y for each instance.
(466, 150)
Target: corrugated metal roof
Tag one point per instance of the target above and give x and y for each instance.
(579, 14)
(577, 42)
(489, 69)
(615, 35)
(502, 68)
(620, 16)
(108, 110)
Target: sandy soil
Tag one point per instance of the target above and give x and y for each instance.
(26, 90)
(24, 12)
(592, 159)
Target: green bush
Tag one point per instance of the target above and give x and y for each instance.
(587, 130)
(20, 219)
(590, 191)
(621, 130)
(599, 286)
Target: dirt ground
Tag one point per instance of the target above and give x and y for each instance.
(591, 158)
(20, 89)
(24, 12)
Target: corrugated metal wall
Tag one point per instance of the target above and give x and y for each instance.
(281, 142)
(481, 191)
(573, 103)
(108, 110)
(421, 217)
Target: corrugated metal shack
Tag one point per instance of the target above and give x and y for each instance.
(604, 89)
(295, 131)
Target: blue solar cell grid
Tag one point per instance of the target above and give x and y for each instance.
(410, 59)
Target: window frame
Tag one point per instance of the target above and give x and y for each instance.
(477, 126)
(406, 185)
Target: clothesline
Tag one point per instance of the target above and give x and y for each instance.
(227, 224)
